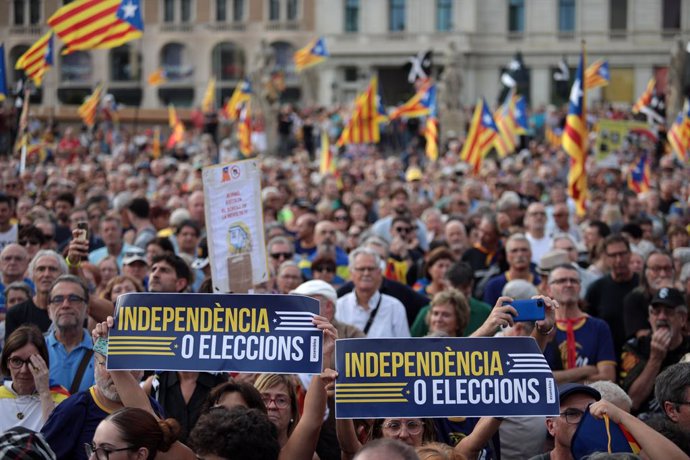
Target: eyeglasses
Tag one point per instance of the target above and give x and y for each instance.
(616, 255)
(29, 242)
(9, 258)
(72, 299)
(655, 310)
(284, 255)
(340, 218)
(281, 402)
(404, 230)
(324, 268)
(565, 281)
(48, 237)
(536, 213)
(572, 416)
(660, 268)
(17, 363)
(103, 453)
(366, 269)
(394, 427)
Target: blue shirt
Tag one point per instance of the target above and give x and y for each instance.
(3, 298)
(63, 366)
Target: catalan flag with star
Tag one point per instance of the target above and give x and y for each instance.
(639, 177)
(88, 110)
(645, 98)
(418, 105)
(89, 24)
(38, 59)
(480, 138)
(575, 139)
(363, 127)
(597, 74)
(242, 93)
(431, 127)
(678, 135)
(314, 53)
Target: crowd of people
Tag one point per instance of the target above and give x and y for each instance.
(392, 245)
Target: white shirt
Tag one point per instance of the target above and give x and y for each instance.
(539, 246)
(8, 237)
(390, 321)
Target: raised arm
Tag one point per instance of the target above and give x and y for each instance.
(501, 315)
(653, 444)
(78, 250)
(472, 444)
(303, 440)
(545, 329)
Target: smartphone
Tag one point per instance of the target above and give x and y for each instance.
(84, 233)
(529, 309)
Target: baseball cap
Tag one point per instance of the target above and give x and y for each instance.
(568, 389)
(669, 297)
(317, 287)
(134, 255)
(551, 260)
(22, 443)
(201, 260)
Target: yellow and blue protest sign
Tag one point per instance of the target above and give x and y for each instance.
(443, 377)
(215, 332)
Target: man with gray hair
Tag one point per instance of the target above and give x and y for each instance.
(44, 269)
(518, 255)
(69, 343)
(672, 392)
(376, 314)
(566, 242)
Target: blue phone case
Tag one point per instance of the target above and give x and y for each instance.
(529, 309)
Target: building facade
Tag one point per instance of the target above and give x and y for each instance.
(192, 40)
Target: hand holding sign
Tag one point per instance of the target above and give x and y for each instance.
(330, 335)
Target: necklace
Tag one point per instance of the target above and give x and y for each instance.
(21, 410)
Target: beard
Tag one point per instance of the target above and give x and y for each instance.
(107, 387)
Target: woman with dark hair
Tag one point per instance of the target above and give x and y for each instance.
(436, 263)
(27, 398)
(234, 393)
(136, 432)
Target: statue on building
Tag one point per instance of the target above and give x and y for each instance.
(675, 80)
(451, 79)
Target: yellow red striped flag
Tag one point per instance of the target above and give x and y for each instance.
(431, 136)
(327, 160)
(313, 53)
(242, 94)
(38, 59)
(156, 144)
(679, 134)
(480, 138)
(87, 111)
(597, 74)
(506, 141)
(575, 139)
(244, 129)
(88, 24)
(209, 96)
(363, 127)
(157, 77)
(177, 134)
(645, 98)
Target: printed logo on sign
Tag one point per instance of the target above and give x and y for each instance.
(550, 391)
(314, 350)
(235, 172)
(225, 174)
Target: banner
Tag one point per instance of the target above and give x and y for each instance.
(212, 332)
(234, 226)
(615, 135)
(443, 377)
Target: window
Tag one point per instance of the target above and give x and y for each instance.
(26, 12)
(228, 61)
(618, 15)
(292, 10)
(182, 11)
(237, 10)
(444, 15)
(169, 11)
(566, 16)
(273, 10)
(351, 15)
(671, 15)
(186, 11)
(173, 59)
(283, 52)
(221, 10)
(124, 64)
(516, 15)
(396, 15)
(76, 67)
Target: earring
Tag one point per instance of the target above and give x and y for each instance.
(292, 420)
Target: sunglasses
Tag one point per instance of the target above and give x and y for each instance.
(324, 268)
(284, 255)
(404, 230)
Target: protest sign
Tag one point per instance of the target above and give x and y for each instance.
(615, 135)
(234, 226)
(443, 377)
(212, 332)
